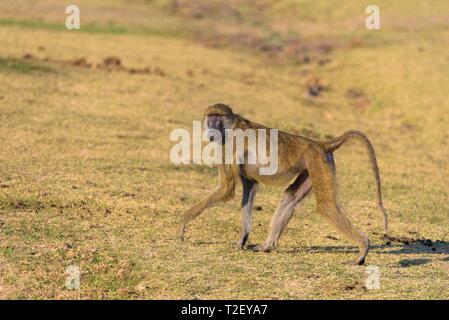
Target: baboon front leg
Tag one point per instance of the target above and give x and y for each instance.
(291, 198)
(224, 192)
(323, 178)
(199, 207)
(248, 195)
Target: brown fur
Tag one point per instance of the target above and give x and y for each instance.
(303, 165)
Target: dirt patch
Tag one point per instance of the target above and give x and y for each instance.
(433, 245)
(276, 46)
(315, 86)
(357, 98)
(113, 62)
(230, 10)
(406, 240)
(353, 287)
(252, 27)
(108, 64)
(28, 56)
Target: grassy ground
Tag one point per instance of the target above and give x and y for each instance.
(85, 176)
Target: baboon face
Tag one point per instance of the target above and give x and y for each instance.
(218, 118)
(216, 126)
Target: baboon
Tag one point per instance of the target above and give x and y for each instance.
(303, 165)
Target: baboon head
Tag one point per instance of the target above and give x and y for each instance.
(218, 118)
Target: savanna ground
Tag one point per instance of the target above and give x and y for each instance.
(85, 176)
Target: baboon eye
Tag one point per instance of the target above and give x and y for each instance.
(214, 121)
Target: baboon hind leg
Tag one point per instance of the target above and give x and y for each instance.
(290, 200)
(322, 173)
(248, 195)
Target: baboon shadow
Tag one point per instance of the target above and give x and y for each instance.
(414, 248)
(438, 247)
(201, 242)
(413, 262)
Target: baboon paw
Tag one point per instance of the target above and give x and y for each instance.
(359, 261)
(362, 254)
(263, 248)
(239, 246)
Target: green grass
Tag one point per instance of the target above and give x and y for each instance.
(23, 66)
(85, 176)
(107, 28)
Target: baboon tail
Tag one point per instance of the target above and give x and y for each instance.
(334, 144)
